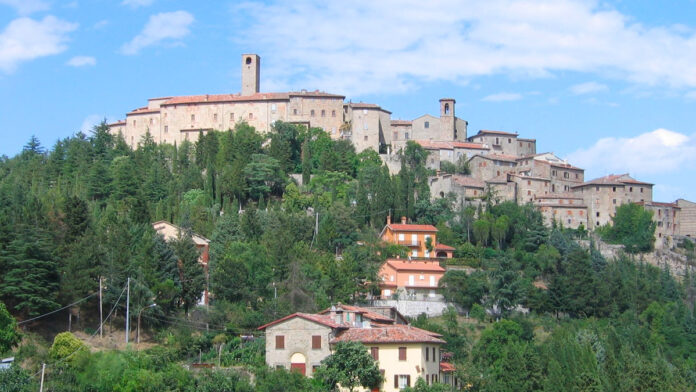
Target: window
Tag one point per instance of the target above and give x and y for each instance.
(434, 359)
(231, 116)
(251, 116)
(333, 113)
(614, 201)
(323, 113)
(509, 141)
(427, 124)
(630, 189)
(133, 122)
(395, 136)
(316, 342)
(447, 108)
(529, 182)
(402, 381)
(365, 138)
(166, 128)
(294, 112)
(402, 353)
(193, 117)
(427, 354)
(576, 176)
(311, 112)
(374, 351)
(597, 189)
(365, 126)
(280, 342)
(641, 190)
(152, 121)
(414, 253)
(497, 141)
(273, 108)
(214, 116)
(406, 136)
(613, 189)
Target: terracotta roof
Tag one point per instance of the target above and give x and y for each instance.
(368, 314)
(120, 122)
(410, 227)
(559, 196)
(566, 165)
(446, 367)
(443, 247)
(219, 98)
(614, 179)
(143, 110)
(486, 131)
(317, 318)
(388, 334)
(363, 105)
(401, 122)
(405, 265)
(431, 145)
(468, 181)
(473, 146)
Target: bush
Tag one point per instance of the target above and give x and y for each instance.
(65, 345)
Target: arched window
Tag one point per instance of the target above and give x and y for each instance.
(447, 108)
(248, 60)
(311, 113)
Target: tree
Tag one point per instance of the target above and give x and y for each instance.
(482, 231)
(350, 366)
(633, 227)
(9, 336)
(192, 276)
(65, 346)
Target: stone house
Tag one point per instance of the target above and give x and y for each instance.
(667, 222)
(687, 227)
(505, 143)
(370, 126)
(490, 166)
(603, 195)
(300, 341)
(566, 209)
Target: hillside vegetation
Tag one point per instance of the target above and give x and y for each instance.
(84, 210)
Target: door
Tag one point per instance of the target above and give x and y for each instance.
(298, 367)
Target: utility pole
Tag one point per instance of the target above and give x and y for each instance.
(127, 308)
(101, 315)
(69, 320)
(43, 369)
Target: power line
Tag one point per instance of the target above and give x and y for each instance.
(57, 310)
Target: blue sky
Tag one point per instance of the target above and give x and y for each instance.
(609, 85)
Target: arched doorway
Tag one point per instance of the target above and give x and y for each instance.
(442, 254)
(298, 363)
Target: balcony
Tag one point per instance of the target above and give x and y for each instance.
(409, 243)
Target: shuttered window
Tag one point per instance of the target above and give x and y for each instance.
(402, 353)
(280, 342)
(316, 342)
(375, 353)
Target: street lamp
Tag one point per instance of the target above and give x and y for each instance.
(139, 313)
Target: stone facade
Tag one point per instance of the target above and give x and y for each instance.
(603, 195)
(667, 222)
(369, 126)
(567, 210)
(505, 143)
(688, 218)
(297, 335)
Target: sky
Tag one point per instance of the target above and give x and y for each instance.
(608, 85)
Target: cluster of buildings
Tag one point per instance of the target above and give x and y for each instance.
(503, 164)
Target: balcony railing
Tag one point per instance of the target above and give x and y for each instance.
(409, 242)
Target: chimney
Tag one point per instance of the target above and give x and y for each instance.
(388, 219)
(403, 220)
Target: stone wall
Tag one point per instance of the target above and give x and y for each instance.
(411, 308)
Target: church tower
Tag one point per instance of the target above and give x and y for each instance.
(251, 72)
(447, 119)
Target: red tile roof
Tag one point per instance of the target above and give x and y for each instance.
(401, 122)
(468, 181)
(367, 313)
(362, 105)
(220, 98)
(614, 179)
(486, 131)
(443, 247)
(143, 110)
(402, 265)
(388, 334)
(317, 318)
(446, 367)
(410, 227)
(474, 146)
(120, 122)
(431, 145)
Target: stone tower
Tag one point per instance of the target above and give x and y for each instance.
(447, 120)
(251, 71)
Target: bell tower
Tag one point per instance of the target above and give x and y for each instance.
(251, 72)
(447, 119)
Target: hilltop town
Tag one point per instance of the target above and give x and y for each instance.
(500, 163)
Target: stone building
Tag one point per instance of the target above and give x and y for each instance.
(603, 195)
(505, 143)
(487, 167)
(667, 218)
(566, 209)
(687, 227)
(175, 119)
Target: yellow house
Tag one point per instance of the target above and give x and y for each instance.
(404, 353)
(416, 238)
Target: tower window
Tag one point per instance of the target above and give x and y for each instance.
(248, 60)
(447, 108)
(427, 124)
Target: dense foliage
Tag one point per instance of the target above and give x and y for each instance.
(293, 218)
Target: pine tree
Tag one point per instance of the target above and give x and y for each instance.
(192, 276)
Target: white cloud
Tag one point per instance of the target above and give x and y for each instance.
(660, 151)
(82, 61)
(392, 45)
(26, 7)
(90, 121)
(137, 3)
(502, 97)
(26, 39)
(690, 95)
(588, 88)
(160, 27)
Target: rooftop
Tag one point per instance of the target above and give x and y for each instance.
(614, 179)
(410, 227)
(317, 318)
(405, 265)
(387, 334)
